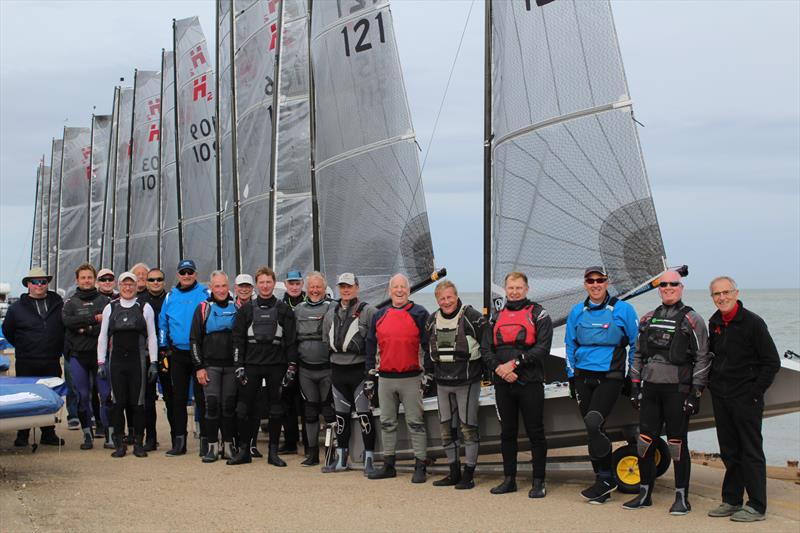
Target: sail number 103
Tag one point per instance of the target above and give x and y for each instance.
(361, 30)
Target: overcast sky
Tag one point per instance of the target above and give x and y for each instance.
(715, 83)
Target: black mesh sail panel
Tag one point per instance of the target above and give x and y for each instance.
(569, 186)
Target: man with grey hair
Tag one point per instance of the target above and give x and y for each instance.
(140, 270)
(397, 336)
(744, 366)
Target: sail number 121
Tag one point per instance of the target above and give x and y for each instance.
(360, 30)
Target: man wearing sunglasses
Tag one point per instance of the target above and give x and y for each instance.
(174, 324)
(744, 366)
(34, 327)
(154, 294)
(105, 283)
(600, 336)
(669, 372)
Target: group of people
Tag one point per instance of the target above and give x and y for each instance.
(243, 353)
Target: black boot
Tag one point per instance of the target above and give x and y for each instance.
(509, 484)
(242, 457)
(150, 443)
(386, 471)
(213, 453)
(420, 471)
(119, 445)
(272, 456)
(452, 478)
(178, 446)
(539, 490)
(203, 447)
(138, 447)
(681, 505)
(467, 481)
(313, 457)
(22, 438)
(109, 443)
(642, 500)
(254, 449)
(50, 438)
(88, 439)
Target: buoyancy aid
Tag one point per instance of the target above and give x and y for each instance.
(216, 317)
(452, 339)
(596, 326)
(264, 329)
(664, 337)
(127, 329)
(398, 341)
(345, 335)
(515, 327)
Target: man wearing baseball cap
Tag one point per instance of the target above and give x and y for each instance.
(293, 401)
(105, 283)
(600, 337)
(34, 327)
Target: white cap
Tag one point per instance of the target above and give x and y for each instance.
(244, 279)
(347, 278)
(126, 275)
(105, 272)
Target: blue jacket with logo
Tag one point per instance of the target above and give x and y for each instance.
(175, 319)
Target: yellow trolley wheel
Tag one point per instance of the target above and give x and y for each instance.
(625, 464)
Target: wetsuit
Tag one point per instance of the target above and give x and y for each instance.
(128, 327)
(212, 349)
(156, 301)
(81, 332)
(293, 403)
(596, 340)
(671, 362)
(522, 332)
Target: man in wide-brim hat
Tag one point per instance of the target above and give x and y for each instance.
(33, 326)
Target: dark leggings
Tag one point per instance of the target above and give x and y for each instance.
(247, 408)
(127, 388)
(663, 404)
(598, 393)
(528, 399)
(83, 372)
(182, 373)
(348, 395)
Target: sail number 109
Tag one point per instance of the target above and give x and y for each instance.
(361, 29)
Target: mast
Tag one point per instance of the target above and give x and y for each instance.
(312, 141)
(130, 171)
(273, 164)
(160, 165)
(237, 241)
(216, 133)
(177, 141)
(487, 162)
(89, 191)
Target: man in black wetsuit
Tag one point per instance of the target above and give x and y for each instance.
(154, 295)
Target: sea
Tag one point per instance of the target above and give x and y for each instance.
(780, 308)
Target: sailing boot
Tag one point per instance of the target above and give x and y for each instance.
(150, 443)
(120, 447)
(178, 447)
(228, 450)
(50, 438)
(254, 449)
(466, 478)
(313, 457)
(340, 465)
(138, 447)
(420, 471)
(272, 456)
(242, 457)
(539, 490)
(681, 505)
(22, 438)
(203, 447)
(509, 484)
(88, 439)
(109, 443)
(452, 478)
(369, 464)
(386, 471)
(212, 454)
(642, 500)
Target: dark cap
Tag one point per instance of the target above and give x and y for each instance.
(294, 275)
(597, 269)
(187, 263)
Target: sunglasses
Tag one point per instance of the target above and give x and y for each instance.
(669, 284)
(155, 280)
(37, 281)
(186, 272)
(105, 280)
(592, 281)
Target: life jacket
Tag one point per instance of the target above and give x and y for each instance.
(217, 318)
(663, 336)
(309, 320)
(449, 338)
(264, 329)
(398, 341)
(127, 329)
(596, 326)
(515, 328)
(344, 334)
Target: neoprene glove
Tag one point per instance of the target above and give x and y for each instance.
(163, 360)
(572, 392)
(152, 372)
(101, 371)
(691, 405)
(241, 376)
(636, 395)
(289, 377)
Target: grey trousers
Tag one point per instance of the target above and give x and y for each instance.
(395, 391)
(458, 405)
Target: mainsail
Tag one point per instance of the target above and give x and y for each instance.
(72, 235)
(196, 134)
(169, 239)
(121, 173)
(293, 229)
(36, 232)
(568, 182)
(53, 211)
(101, 135)
(110, 208)
(372, 216)
(44, 215)
(144, 189)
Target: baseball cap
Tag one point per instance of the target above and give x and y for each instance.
(127, 275)
(294, 275)
(186, 263)
(244, 279)
(105, 272)
(597, 269)
(347, 278)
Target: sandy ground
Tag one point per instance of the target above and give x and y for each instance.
(74, 490)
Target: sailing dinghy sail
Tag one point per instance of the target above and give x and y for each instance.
(36, 232)
(228, 191)
(121, 172)
(109, 209)
(169, 240)
(143, 192)
(101, 135)
(372, 216)
(45, 213)
(568, 182)
(53, 206)
(74, 198)
(196, 138)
